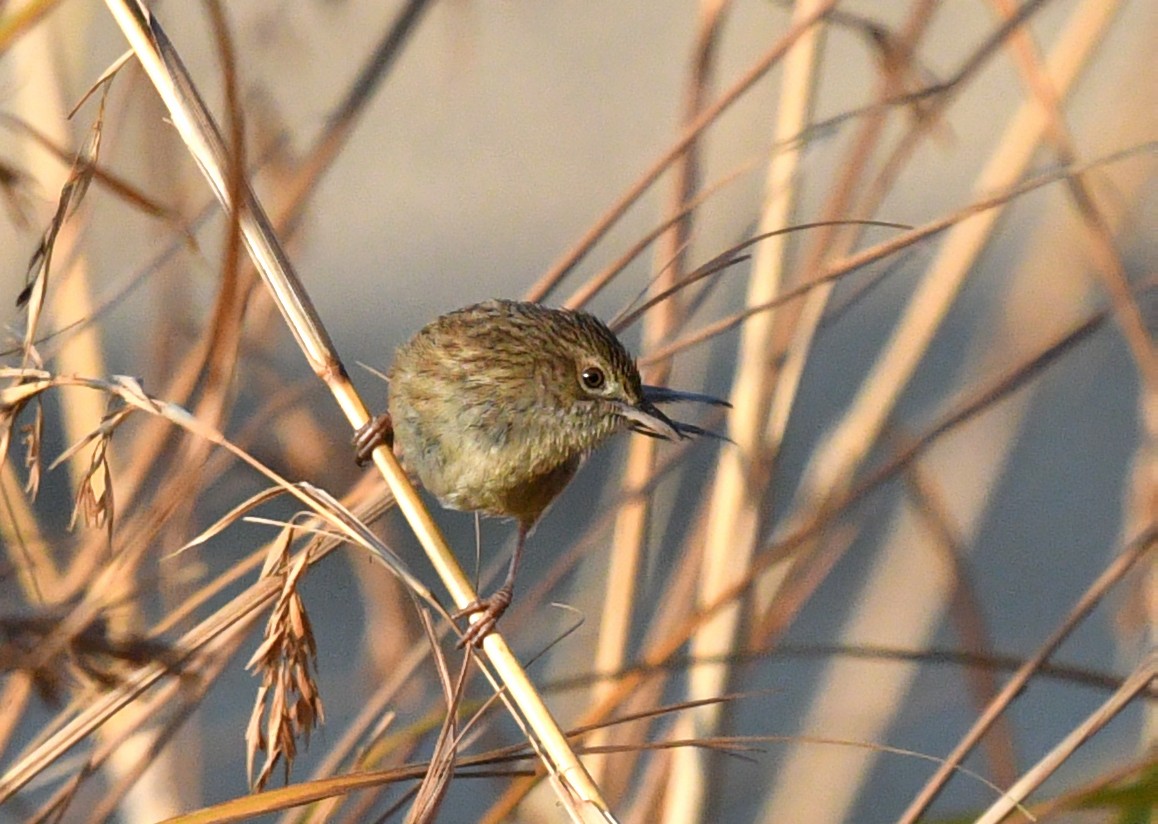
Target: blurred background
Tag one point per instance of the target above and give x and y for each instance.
(938, 447)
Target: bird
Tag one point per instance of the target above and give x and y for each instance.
(493, 408)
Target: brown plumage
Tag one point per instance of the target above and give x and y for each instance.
(493, 408)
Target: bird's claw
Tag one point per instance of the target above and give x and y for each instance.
(377, 431)
(490, 609)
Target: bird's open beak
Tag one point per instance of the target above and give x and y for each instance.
(661, 394)
(647, 420)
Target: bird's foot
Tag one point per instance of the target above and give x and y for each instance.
(490, 609)
(375, 432)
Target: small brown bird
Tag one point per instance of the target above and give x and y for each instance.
(494, 407)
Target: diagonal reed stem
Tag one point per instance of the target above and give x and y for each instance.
(197, 128)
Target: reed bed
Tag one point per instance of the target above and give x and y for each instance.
(916, 583)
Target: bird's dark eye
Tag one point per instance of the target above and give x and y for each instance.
(593, 377)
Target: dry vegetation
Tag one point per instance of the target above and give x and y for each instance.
(159, 533)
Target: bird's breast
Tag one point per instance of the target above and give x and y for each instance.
(484, 463)
(514, 493)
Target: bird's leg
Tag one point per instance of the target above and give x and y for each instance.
(494, 605)
(374, 433)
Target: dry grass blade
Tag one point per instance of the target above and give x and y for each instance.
(990, 662)
(292, 680)
(33, 295)
(347, 526)
(914, 599)
(231, 517)
(1133, 553)
(26, 387)
(776, 551)
(32, 433)
(103, 83)
(106, 179)
(94, 495)
(671, 256)
(730, 257)
(546, 284)
(750, 742)
(431, 792)
(197, 128)
(850, 264)
(734, 510)
(1138, 681)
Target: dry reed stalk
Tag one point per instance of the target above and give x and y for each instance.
(629, 538)
(733, 514)
(1108, 265)
(669, 623)
(833, 466)
(81, 353)
(669, 641)
(798, 328)
(289, 208)
(671, 620)
(1135, 685)
(576, 790)
(28, 550)
(835, 462)
(551, 279)
(799, 324)
(1117, 569)
(932, 501)
(667, 620)
(138, 739)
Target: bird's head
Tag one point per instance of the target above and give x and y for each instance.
(596, 387)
